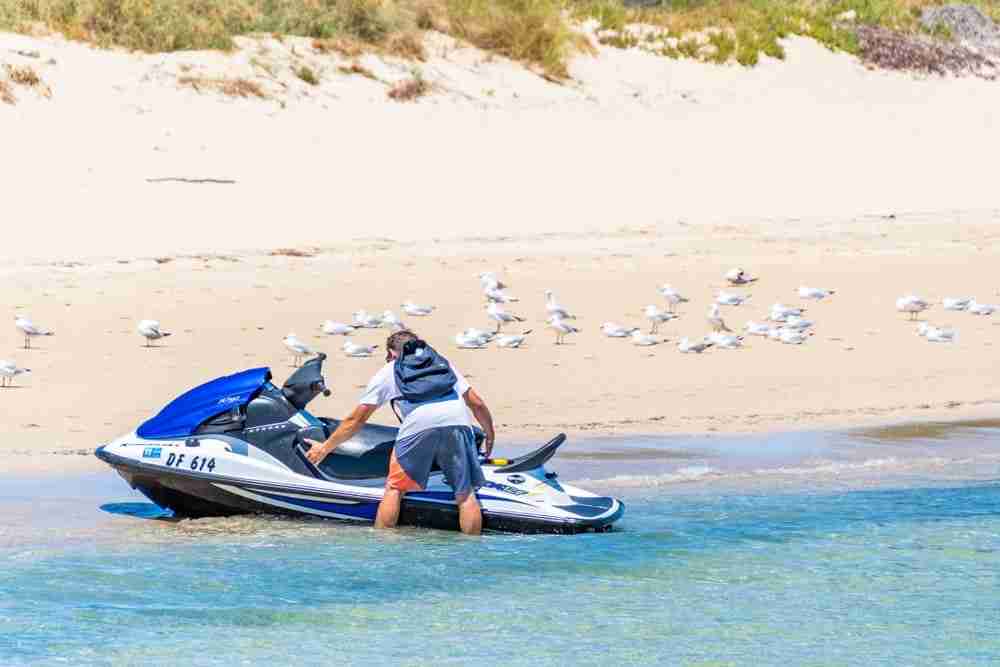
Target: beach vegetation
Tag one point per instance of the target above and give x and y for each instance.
(542, 34)
(411, 89)
(23, 75)
(20, 75)
(744, 30)
(408, 45)
(536, 32)
(307, 74)
(7, 93)
(531, 31)
(357, 68)
(237, 87)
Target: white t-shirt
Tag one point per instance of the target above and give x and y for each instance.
(383, 389)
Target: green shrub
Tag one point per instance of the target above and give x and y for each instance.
(532, 31)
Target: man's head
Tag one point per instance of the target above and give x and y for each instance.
(395, 342)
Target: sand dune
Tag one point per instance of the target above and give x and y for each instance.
(635, 139)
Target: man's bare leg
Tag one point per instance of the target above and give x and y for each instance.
(470, 515)
(388, 510)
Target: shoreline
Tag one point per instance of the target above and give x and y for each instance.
(23, 465)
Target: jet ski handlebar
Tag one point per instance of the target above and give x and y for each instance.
(306, 383)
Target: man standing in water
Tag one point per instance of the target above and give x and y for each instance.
(435, 401)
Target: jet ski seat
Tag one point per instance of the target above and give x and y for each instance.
(365, 456)
(373, 464)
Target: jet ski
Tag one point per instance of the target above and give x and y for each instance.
(237, 445)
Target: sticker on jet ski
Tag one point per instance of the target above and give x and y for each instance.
(506, 488)
(198, 463)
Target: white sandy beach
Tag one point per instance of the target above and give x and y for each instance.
(643, 170)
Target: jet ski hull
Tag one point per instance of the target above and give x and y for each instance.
(193, 494)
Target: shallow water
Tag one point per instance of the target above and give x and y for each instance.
(801, 549)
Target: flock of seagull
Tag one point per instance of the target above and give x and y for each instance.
(785, 324)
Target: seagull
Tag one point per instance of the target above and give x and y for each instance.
(728, 299)
(815, 293)
(28, 328)
(738, 276)
(365, 320)
(657, 317)
(467, 342)
(688, 347)
(644, 340)
(513, 341)
(389, 318)
(911, 304)
(936, 335)
(715, 319)
(614, 330)
(416, 310)
(553, 308)
(562, 329)
(485, 336)
(780, 312)
(796, 323)
(672, 296)
(9, 371)
(756, 329)
(352, 349)
(725, 341)
(792, 337)
(959, 303)
(774, 333)
(150, 330)
(489, 280)
(332, 328)
(297, 348)
(497, 295)
(977, 308)
(501, 316)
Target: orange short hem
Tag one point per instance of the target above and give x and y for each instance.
(398, 479)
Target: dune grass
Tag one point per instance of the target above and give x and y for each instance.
(539, 33)
(230, 87)
(532, 31)
(410, 89)
(24, 76)
(742, 30)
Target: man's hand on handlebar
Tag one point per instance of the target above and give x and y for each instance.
(317, 451)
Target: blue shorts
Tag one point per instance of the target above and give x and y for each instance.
(453, 448)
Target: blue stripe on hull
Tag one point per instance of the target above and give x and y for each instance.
(360, 510)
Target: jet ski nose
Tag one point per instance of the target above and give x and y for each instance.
(101, 453)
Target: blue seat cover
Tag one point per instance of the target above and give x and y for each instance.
(186, 413)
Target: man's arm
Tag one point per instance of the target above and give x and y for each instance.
(482, 414)
(347, 430)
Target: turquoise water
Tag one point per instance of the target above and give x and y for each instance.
(898, 568)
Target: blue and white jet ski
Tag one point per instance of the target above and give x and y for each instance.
(236, 445)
